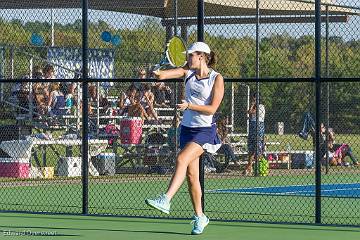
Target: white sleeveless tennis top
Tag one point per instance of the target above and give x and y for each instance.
(198, 91)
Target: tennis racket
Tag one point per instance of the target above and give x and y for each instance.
(174, 55)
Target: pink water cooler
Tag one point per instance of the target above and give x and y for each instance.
(14, 169)
(131, 130)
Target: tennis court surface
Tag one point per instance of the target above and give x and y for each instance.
(32, 226)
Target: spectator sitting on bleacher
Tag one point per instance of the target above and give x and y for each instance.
(37, 73)
(136, 109)
(126, 100)
(42, 90)
(49, 72)
(162, 93)
(70, 98)
(41, 98)
(56, 104)
(147, 101)
(21, 90)
(103, 102)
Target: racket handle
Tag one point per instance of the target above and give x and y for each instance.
(156, 67)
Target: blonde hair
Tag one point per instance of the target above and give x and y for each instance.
(54, 87)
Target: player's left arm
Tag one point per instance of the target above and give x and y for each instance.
(217, 96)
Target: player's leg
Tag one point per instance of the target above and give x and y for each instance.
(194, 187)
(189, 154)
(200, 220)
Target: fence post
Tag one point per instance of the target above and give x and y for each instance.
(327, 88)
(85, 144)
(200, 26)
(317, 109)
(257, 76)
(200, 38)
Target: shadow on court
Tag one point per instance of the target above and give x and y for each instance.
(103, 219)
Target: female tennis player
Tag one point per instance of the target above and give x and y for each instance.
(204, 90)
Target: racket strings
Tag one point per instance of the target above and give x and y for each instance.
(174, 54)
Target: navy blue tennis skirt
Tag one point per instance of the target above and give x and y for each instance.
(206, 137)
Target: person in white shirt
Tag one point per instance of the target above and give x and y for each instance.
(204, 91)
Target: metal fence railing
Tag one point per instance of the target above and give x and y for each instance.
(60, 73)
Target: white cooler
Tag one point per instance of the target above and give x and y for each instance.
(69, 167)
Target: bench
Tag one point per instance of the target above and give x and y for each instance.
(138, 156)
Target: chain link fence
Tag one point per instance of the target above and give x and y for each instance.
(133, 121)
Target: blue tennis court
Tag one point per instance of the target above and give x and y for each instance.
(343, 190)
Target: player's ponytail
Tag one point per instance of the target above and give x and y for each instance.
(211, 59)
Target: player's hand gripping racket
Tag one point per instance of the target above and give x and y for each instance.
(174, 55)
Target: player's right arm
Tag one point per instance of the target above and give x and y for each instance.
(170, 74)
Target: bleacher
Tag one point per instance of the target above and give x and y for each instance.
(165, 115)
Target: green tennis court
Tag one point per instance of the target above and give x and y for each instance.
(124, 196)
(31, 226)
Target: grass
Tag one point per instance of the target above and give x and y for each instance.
(297, 143)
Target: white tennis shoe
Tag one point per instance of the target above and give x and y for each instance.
(161, 203)
(199, 223)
